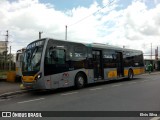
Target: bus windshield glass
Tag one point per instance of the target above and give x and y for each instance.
(32, 57)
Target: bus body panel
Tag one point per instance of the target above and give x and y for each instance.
(138, 70)
(47, 82)
(61, 80)
(34, 84)
(90, 74)
(61, 61)
(110, 73)
(68, 78)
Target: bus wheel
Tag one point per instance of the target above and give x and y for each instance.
(130, 74)
(79, 81)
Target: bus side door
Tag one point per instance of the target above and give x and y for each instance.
(97, 64)
(120, 65)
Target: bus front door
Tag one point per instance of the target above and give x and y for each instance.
(120, 65)
(97, 64)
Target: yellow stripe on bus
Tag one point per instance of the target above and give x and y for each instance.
(125, 72)
(28, 78)
(112, 74)
(138, 71)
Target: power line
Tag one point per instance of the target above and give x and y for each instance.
(110, 2)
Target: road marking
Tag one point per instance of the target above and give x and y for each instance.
(132, 83)
(31, 100)
(2, 100)
(10, 92)
(95, 89)
(155, 118)
(117, 85)
(144, 80)
(69, 93)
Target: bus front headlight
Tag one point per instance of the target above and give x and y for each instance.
(38, 76)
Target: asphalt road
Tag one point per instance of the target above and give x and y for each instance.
(140, 94)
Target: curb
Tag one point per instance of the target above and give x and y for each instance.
(5, 95)
(152, 73)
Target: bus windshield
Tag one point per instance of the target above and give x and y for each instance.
(32, 57)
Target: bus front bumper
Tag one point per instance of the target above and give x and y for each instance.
(29, 85)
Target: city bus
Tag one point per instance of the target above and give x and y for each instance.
(19, 59)
(50, 64)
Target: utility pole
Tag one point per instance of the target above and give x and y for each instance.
(6, 40)
(40, 33)
(10, 59)
(66, 33)
(6, 44)
(151, 51)
(157, 52)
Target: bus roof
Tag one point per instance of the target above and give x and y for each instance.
(106, 46)
(96, 45)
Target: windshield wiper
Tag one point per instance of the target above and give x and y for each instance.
(34, 52)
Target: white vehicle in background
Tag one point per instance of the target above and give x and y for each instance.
(19, 59)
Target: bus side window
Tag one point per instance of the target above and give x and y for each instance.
(94, 55)
(57, 56)
(60, 56)
(49, 58)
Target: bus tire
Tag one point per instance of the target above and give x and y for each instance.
(79, 81)
(130, 74)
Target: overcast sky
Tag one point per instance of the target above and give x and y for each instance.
(134, 24)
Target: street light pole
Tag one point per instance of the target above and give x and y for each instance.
(40, 33)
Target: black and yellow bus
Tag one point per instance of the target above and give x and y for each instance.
(50, 64)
